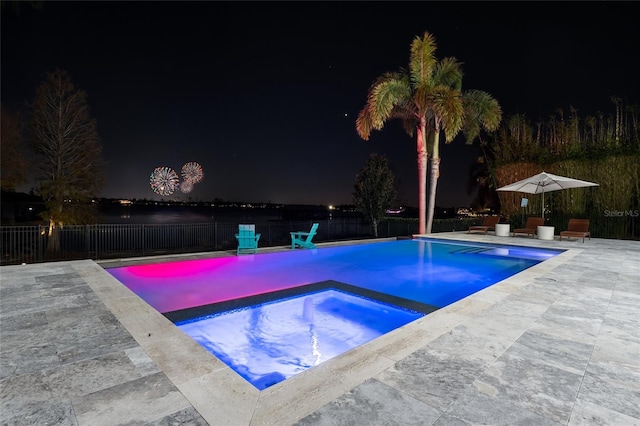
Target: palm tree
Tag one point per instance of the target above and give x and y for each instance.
(471, 112)
(408, 96)
(428, 100)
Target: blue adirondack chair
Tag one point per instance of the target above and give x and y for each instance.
(303, 239)
(247, 239)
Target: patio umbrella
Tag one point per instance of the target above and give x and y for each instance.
(545, 182)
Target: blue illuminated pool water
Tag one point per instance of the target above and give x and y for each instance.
(252, 311)
(427, 271)
(273, 341)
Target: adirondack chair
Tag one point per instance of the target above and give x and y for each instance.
(303, 239)
(247, 239)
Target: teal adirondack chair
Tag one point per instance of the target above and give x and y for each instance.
(247, 239)
(303, 239)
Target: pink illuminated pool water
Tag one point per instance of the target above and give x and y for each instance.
(427, 271)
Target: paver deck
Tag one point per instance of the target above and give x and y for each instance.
(557, 344)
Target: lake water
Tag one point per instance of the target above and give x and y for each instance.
(151, 214)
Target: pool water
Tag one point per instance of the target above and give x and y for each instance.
(430, 272)
(246, 310)
(270, 342)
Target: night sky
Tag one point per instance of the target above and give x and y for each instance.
(264, 95)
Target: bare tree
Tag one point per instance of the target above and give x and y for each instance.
(69, 163)
(13, 161)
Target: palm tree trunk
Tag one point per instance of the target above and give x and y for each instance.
(422, 175)
(433, 180)
(422, 191)
(433, 185)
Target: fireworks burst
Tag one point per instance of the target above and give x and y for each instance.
(186, 186)
(192, 172)
(164, 180)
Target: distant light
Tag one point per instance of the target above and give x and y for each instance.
(394, 211)
(331, 207)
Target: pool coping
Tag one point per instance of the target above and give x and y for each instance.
(305, 289)
(223, 397)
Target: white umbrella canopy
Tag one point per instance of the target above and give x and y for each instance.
(545, 182)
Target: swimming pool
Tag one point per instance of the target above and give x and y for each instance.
(431, 272)
(272, 341)
(420, 275)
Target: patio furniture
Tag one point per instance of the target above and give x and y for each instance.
(545, 182)
(502, 229)
(488, 224)
(545, 232)
(530, 227)
(303, 239)
(247, 239)
(576, 228)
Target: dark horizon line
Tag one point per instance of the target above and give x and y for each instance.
(217, 202)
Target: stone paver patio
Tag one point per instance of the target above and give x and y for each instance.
(557, 344)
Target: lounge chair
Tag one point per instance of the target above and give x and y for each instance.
(576, 228)
(488, 224)
(303, 239)
(247, 239)
(531, 227)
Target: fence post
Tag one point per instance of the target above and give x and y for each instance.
(87, 241)
(182, 244)
(95, 239)
(40, 256)
(327, 226)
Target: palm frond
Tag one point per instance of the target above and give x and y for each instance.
(422, 60)
(363, 123)
(448, 72)
(482, 112)
(409, 125)
(385, 99)
(449, 108)
(389, 97)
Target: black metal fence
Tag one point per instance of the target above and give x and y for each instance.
(31, 244)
